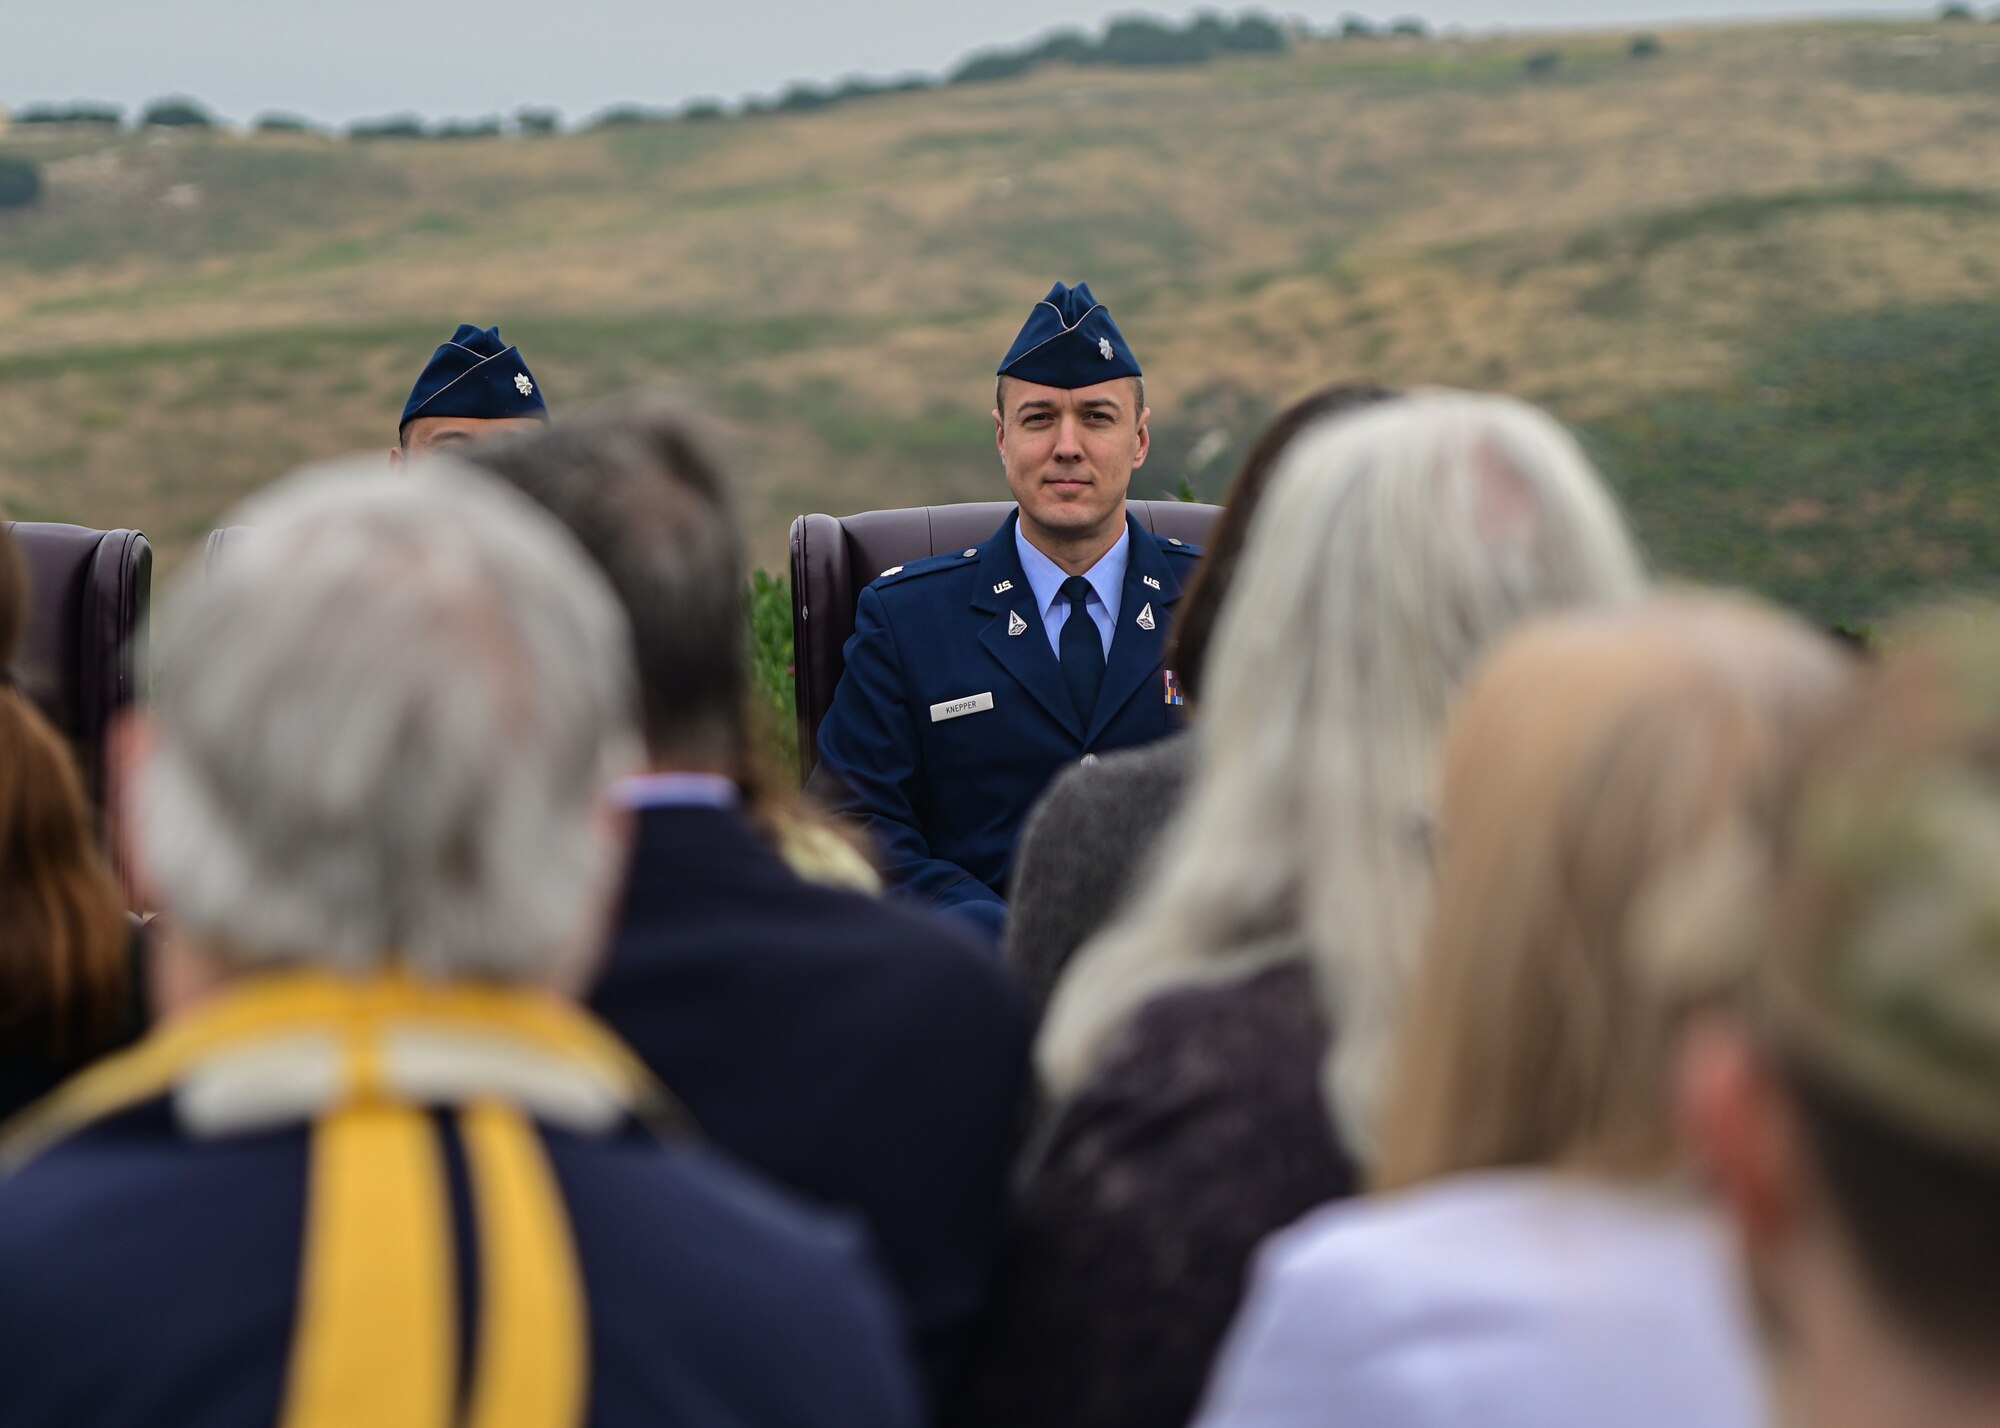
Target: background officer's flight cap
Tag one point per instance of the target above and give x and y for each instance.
(1070, 341)
(475, 375)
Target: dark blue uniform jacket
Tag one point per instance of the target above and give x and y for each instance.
(946, 796)
(869, 1055)
(147, 1278)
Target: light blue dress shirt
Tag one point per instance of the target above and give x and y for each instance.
(1107, 587)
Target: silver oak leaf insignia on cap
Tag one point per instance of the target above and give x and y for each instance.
(1104, 346)
(522, 384)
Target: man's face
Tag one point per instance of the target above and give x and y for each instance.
(1070, 454)
(441, 433)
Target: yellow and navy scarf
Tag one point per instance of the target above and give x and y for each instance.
(364, 1063)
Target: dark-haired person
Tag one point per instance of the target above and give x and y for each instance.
(475, 386)
(67, 989)
(973, 677)
(1093, 830)
(870, 1055)
(1847, 1106)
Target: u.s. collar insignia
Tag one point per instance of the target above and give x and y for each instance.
(1003, 587)
(522, 384)
(1104, 346)
(1146, 618)
(1015, 624)
(1150, 581)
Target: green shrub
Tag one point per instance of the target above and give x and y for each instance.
(990, 65)
(772, 673)
(1644, 46)
(280, 123)
(487, 128)
(1253, 34)
(628, 116)
(20, 182)
(536, 123)
(397, 126)
(802, 99)
(176, 113)
(1542, 63)
(1139, 41)
(104, 115)
(1843, 473)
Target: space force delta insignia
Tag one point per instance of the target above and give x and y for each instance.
(1015, 624)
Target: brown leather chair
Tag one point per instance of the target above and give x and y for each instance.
(835, 557)
(84, 652)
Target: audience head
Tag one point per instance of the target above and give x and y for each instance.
(1847, 1105)
(1201, 602)
(1600, 769)
(642, 495)
(475, 386)
(63, 971)
(381, 734)
(1395, 544)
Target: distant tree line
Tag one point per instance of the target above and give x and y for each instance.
(1133, 41)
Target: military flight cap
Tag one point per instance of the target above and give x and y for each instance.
(478, 376)
(1881, 968)
(1070, 341)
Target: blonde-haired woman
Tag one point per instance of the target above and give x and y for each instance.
(1185, 1044)
(1534, 1260)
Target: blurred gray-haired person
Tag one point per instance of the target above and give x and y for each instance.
(376, 1166)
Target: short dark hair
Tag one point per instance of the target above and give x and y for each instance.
(1201, 604)
(640, 491)
(1919, 1214)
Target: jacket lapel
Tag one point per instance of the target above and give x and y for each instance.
(1026, 656)
(1135, 651)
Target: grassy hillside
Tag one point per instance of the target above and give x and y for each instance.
(1761, 269)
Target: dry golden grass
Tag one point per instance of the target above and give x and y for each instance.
(180, 320)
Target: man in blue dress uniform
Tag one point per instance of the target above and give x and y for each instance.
(973, 677)
(474, 386)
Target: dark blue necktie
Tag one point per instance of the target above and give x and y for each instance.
(1081, 648)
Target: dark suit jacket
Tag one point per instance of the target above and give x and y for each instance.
(946, 792)
(149, 1276)
(868, 1055)
(1200, 1133)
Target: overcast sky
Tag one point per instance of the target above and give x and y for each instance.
(337, 60)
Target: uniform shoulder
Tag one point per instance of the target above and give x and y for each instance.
(897, 575)
(1174, 545)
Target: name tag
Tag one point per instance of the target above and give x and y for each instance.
(953, 708)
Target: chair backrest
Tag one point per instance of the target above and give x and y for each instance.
(834, 558)
(84, 652)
